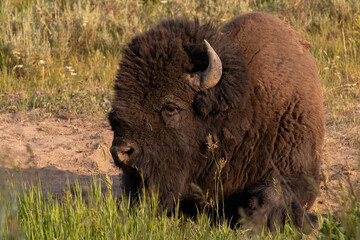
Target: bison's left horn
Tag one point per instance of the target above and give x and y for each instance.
(211, 76)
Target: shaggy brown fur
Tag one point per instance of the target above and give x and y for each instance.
(265, 114)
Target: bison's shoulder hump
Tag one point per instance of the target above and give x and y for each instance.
(259, 29)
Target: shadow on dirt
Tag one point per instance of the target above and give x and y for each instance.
(55, 181)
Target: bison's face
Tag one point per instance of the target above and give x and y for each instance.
(158, 138)
(157, 130)
(154, 131)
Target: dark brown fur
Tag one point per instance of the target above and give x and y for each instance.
(267, 108)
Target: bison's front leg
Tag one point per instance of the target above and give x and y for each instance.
(273, 202)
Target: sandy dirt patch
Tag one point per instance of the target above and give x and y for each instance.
(55, 149)
(58, 149)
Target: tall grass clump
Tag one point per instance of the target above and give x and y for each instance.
(9, 207)
(345, 223)
(100, 215)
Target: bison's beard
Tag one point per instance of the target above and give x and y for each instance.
(161, 175)
(131, 182)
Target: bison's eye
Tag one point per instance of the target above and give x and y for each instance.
(169, 110)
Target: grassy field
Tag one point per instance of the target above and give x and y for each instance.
(61, 56)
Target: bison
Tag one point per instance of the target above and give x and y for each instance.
(249, 91)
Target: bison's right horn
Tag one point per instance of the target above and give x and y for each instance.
(211, 76)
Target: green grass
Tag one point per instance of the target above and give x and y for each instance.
(99, 216)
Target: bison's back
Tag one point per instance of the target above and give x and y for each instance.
(285, 90)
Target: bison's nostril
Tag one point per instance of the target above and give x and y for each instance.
(123, 149)
(129, 151)
(121, 154)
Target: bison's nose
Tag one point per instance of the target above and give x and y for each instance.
(121, 154)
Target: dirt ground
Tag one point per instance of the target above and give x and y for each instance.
(60, 149)
(55, 149)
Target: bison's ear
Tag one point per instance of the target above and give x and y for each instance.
(231, 92)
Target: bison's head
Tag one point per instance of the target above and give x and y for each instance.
(173, 88)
